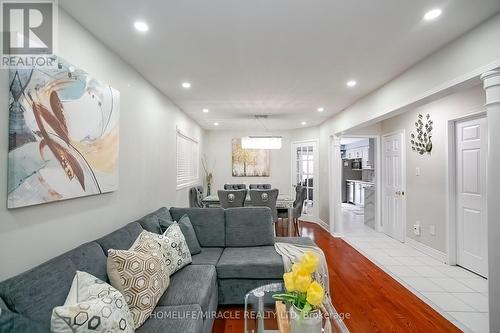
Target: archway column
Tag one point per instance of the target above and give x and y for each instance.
(491, 85)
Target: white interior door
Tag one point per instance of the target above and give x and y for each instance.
(393, 186)
(305, 172)
(471, 184)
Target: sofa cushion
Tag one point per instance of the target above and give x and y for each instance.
(296, 240)
(208, 223)
(189, 234)
(89, 258)
(164, 217)
(182, 318)
(208, 256)
(249, 226)
(194, 284)
(36, 292)
(14, 322)
(261, 262)
(121, 239)
(150, 223)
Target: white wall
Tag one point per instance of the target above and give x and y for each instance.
(426, 194)
(29, 236)
(218, 149)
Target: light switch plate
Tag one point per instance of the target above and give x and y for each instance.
(417, 171)
(432, 230)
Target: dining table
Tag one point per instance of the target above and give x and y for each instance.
(284, 201)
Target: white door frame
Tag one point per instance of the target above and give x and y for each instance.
(403, 177)
(316, 182)
(335, 182)
(451, 197)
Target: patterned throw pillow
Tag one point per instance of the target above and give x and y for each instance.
(92, 305)
(142, 277)
(172, 245)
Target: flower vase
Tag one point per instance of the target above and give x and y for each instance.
(311, 323)
(209, 187)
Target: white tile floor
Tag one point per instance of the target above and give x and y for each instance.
(459, 295)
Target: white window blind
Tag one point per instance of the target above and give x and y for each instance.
(187, 160)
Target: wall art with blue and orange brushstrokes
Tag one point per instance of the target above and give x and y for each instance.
(63, 135)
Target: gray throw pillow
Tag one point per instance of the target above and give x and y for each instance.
(164, 218)
(189, 234)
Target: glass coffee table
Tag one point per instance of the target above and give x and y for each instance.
(263, 314)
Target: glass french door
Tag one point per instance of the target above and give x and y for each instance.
(305, 172)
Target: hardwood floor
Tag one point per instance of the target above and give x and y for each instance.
(372, 299)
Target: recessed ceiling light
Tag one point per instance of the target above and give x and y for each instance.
(205, 110)
(303, 123)
(141, 26)
(351, 83)
(321, 109)
(186, 85)
(216, 124)
(433, 14)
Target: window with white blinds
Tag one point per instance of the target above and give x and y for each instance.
(187, 160)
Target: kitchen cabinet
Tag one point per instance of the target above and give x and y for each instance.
(365, 162)
(354, 153)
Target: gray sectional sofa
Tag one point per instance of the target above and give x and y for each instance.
(237, 255)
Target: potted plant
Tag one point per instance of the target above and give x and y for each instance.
(304, 295)
(208, 174)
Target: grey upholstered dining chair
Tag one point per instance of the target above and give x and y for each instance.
(266, 198)
(235, 187)
(232, 198)
(298, 205)
(196, 197)
(260, 186)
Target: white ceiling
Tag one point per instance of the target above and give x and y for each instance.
(284, 58)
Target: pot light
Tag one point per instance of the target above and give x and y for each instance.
(303, 123)
(186, 85)
(216, 124)
(433, 14)
(141, 26)
(261, 142)
(351, 83)
(205, 110)
(321, 109)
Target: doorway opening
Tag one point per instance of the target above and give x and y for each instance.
(305, 172)
(359, 184)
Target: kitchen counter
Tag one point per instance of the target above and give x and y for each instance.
(360, 181)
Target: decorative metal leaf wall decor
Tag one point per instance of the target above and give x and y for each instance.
(421, 141)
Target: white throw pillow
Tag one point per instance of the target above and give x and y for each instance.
(92, 305)
(172, 245)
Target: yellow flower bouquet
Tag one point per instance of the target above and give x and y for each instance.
(302, 291)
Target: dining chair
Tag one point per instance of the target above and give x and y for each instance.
(266, 198)
(235, 187)
(232, 198)
(260, 186)
(297, 208)
(196, 197)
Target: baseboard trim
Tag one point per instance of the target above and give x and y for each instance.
(438, 255)
(319, 222)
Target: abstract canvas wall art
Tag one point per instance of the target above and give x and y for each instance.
(250, 162)
(63, 135)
